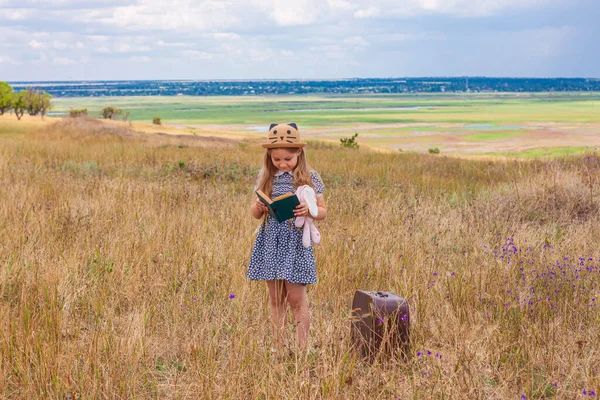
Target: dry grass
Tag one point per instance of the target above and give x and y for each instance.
(119, 252)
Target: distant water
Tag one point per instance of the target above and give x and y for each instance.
(258, 128)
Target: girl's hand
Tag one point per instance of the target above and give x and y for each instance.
(260, 206)
(301, 210)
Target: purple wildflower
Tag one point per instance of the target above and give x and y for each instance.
(231, 296)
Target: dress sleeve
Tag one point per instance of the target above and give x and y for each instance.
(317, 183)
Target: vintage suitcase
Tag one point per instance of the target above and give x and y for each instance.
(380, 324)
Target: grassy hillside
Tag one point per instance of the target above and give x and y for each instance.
(120, 252)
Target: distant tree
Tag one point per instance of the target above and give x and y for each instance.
(19, 103)
(110, 112)
(75, 113)
(36, 102)
(107, 112)
(6, 97)
(44, 101)
(32, 101)
(156, 121)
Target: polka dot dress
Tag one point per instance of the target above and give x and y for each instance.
(278, 252)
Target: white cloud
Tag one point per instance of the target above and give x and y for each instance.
(34, 44)
(79, 45)
(176, 15)
(259, 55)
(51, 3)
(59, 45)
(341, 5)
(123, 48)
(197, 55)
(405, 37)
(98, 38)
(223, 18)
(162, 43)
(230, 49)
(331, 51)
(62, 61)
(225, 36)
(299, 12)
(8, 60)
(16, 14)
(367, 12)
(42, 58)
(465, 8)
(356, 41)
(139, 59)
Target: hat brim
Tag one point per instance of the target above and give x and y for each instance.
(287, 145)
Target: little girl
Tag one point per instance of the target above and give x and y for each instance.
(278, 256)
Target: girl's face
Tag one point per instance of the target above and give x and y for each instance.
(285, 159)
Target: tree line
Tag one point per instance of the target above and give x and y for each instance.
(31, 101)
(343, 86)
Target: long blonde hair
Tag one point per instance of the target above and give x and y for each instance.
(301, 172)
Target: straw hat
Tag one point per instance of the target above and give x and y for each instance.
(283, 135)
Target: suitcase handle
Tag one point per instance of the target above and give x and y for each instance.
(381, 294)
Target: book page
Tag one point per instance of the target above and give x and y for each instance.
(283, 196)
(263, 196)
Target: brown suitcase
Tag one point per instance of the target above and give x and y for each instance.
(380, 324)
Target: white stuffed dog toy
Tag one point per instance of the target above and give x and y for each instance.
(307, 195)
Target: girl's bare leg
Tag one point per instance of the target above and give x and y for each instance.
(277, 295)
(296, 297)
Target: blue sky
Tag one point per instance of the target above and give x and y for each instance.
(305, 39)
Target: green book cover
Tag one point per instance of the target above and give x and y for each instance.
(281, 208)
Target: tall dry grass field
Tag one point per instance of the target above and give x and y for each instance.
(123, 261)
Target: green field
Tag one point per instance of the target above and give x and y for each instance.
(469, 123)
(326, 110)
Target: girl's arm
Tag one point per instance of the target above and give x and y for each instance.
(322, 208)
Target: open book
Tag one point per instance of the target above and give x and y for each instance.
(281, 207)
